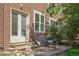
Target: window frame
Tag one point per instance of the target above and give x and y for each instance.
(13, 39)
(40, 14)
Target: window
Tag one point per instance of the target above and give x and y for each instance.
(42, 23)
(52, 22)
(39, 22)
(14, 23)
(36, 22)
(23, 25)
(18, 23)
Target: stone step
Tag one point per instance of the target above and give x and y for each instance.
(1, 44)
(20, 46)
(22, 43)
(23, 47)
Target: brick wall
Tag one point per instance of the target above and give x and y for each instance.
(28, 7)
(1, 24)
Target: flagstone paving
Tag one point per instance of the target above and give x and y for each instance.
(45, 51)
(40, 51)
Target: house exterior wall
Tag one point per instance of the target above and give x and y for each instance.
(1, 23)
(27, 7)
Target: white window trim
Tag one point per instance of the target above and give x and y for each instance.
(40, 13)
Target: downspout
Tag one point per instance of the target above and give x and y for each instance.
(4, 40)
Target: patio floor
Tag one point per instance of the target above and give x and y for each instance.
(39, 51)
(49, 51)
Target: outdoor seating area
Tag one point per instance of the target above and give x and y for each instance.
(44, 40)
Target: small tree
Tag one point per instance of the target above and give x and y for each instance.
(72, 28)
(72, 13)
(55, 30)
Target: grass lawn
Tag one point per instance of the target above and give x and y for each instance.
(72, 52)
